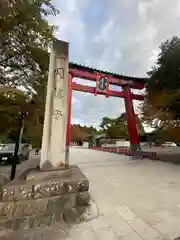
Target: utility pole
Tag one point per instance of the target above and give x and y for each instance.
(17, 143)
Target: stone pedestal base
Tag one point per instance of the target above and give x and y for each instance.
(43, 199)
(136, 152)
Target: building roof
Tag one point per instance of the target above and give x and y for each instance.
(103, 135)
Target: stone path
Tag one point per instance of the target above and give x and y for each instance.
(162, 149)
(136, 200)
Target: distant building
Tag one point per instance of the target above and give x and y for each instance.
(76, 143)
(101, 139)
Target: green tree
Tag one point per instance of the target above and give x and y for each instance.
(117, 127)
(114, 127)
(24, 39)
(161, 108)
(25, 36)
(106, 122)
(13, 103)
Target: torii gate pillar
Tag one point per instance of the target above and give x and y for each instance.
(131, 122)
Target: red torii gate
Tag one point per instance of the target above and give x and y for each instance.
(105, 79)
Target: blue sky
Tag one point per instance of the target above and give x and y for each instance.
(122, 36)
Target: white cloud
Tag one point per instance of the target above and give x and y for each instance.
(105, 32)
(117, 35)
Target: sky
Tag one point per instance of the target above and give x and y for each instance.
(121, 36)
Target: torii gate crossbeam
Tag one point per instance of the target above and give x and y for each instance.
(86, 73)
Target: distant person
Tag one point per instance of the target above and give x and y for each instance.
(37, 151)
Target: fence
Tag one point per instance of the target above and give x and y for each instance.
(124, 151)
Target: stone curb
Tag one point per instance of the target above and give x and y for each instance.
(27, 190)
(33, 207)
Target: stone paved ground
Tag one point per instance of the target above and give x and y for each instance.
(162, 149)
(136, 200)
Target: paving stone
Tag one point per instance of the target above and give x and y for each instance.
(126, 213)
(131, 236)
(86, 234)
(174, 210)
(103, 207)
(168, 218)
(75, 230)
(80, 227)
(168, 231)
(74, 215)
(144, 230)
(99, 223)
(81, 213)
(105, 234)
(149, 217)
(119, 225)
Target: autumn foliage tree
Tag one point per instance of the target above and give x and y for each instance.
(81, 133)
(161, 109)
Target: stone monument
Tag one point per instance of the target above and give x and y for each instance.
(57, 190)
(55, 122)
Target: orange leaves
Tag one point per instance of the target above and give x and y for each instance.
(77, 133)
